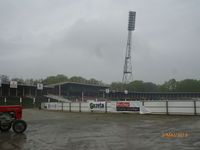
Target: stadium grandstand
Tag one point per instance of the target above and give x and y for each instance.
(73, 91)
(31, 96)
(25, 95)
(153, 95)
(77, 91)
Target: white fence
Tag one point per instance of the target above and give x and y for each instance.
(173, 107)
(142, 107)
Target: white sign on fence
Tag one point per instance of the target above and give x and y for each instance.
(107, 91)
(13, 84)
(40, 86)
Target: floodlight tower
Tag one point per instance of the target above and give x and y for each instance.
(127, 73)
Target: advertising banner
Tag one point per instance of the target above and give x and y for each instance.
(97, 106)
(127, 106)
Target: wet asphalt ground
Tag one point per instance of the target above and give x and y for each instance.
(49, 130)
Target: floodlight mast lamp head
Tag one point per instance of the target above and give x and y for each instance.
(131, 20)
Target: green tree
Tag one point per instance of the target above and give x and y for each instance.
(55, 79)
(188, 85)
(93, 81)
(19, 80)
(169, 86)
(137, 86)
(118, 86)
(29, 81)
(4, 79)
(78, 79)
(150, 87)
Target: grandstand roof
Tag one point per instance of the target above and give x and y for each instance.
(75, 83)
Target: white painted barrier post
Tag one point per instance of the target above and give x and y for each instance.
(5, 100)
(33, 102)
(20, 100)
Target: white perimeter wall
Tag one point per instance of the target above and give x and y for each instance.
(186, 107)
(155, 107)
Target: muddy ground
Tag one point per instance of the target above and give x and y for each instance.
(49, 130)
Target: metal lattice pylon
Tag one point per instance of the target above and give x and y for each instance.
(127, 72)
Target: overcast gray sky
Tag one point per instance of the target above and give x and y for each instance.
(88, 38)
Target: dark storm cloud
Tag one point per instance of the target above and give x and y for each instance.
(88, 38)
